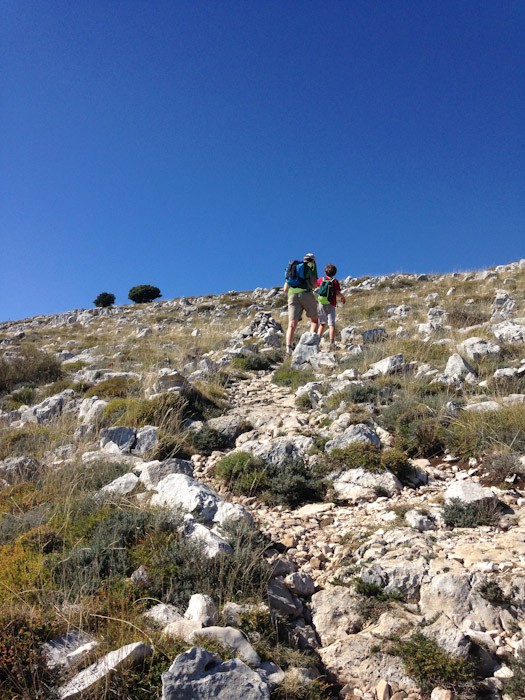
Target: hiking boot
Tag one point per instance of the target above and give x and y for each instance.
(333, 347)
(288, 351)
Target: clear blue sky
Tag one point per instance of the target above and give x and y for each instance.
(198, 145)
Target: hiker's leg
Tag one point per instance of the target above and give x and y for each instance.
(331, 333)
(313, 325)
(321, 329)
(292, 327)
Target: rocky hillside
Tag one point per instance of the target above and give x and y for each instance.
(184, 514)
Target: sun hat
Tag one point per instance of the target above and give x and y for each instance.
(309, 256)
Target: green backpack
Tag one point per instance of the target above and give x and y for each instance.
(325, 294)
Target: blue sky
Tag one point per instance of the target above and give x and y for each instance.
(198, 145)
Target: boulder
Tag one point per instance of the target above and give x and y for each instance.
(147, 440)
(335, 613)
(88, 679)
(212, 543)
(373, 335)
(117, 440)
(468, 491)
(509, 332)
(457, 368)
(282, 600)
(163, 614)
(231, 638)
(121, 486)
(477, 348)
(389, 365)
(151, 473)
(355, 433)
(199, 674)
(306, 348)
(181, 491)
(275, 450)
(201, 608)
(356, 485)
(230, 427)
(16, 469)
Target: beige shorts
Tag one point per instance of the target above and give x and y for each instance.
(303, 301)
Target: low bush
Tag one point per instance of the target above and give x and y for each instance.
(474, 433)
(430, 666)
(290, 482)
(462, 316)
(144, 293)
(23, 669)
(256, 361)
(514, 686)
(456, 513)
(491, 591)
(357, 455)
(104, 299)
(115, 387)
(291, 377)
(30, 367)
(397, 462)
(499, 466)
(21, 397)
(207, 440)
(373, 599)
(242, 473)
(418, 427)
(31, 440)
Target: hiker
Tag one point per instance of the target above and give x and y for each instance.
(329, 291)
(301, 278)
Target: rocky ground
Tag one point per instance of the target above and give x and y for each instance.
(397, 582)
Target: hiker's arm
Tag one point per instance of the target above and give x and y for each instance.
(341, 296)
(285, 288)
(314, 282)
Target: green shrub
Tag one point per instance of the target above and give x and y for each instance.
(398, 463)
(32, 441)
(290, 482)
(21, 397)
(373, 599)
(30, 367)
(418, 428)
(514, 686)
(23, 669)
(357, 455)
(115, 387)
(293, 484)
(104, 300)
(291, 377)
(456, 513)
(242, 473)
(430, 666)
(475, 432)
(499, 466)
(256, 361)
(207, 440)
(462, 316)
(491, 591)
(143, 293)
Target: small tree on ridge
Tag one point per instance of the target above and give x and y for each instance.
(144, 293)
(104, 299)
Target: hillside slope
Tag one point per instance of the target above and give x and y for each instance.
(341, 524)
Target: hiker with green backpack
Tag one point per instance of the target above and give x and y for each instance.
(301, 279)
(329, 291)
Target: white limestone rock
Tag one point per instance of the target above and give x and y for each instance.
(92, 676)
(201, 608)
(198, 674)
(355, 433)
(181, 491)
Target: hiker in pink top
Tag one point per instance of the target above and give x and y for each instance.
(329, 291)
